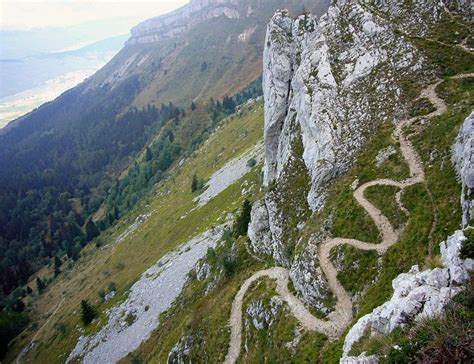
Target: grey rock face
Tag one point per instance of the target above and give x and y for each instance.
(463, 155)
(203, 271)
(384, 154)
(263, 316)
(265, 230)
(278, 71)
(309, 281)
(314, 74)
(180, 352)
(417, 295)
(182, 19)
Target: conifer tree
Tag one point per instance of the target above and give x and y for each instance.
(194, 183)
(40, 285)
(243, 220)
(57, 265)
(88, 313)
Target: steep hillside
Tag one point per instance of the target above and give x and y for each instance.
(356, 226)
(60, 164)
(360, 120)
(168, 217)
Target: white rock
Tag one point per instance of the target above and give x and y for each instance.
(417, 295)
(311, 84)
(463, 155)
(361, 359)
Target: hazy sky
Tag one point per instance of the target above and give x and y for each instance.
(22, 15)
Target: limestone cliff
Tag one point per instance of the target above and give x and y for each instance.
(322, 76)
(463, 154)
(182, 19)
(328, 83)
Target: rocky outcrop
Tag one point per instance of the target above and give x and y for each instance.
(361, 359)
(182, 19)
(463, 155)
(309, 281)
(266, 230)
(326, 82)
(314, 76)
(417, 295)
(263, 315)
(179, 354)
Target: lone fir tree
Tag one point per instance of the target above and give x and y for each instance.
(88, 313)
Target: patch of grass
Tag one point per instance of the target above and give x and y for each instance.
(272, 343)
(409, 250)
(291, 196)
(360, 268)
(432, 262)
(422, 106)
(450, 60)
(383, 197)
(450, 30)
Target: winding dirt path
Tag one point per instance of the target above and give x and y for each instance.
(342, 316)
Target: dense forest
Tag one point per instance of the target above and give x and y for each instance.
(62, 164)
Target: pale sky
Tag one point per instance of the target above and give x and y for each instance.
(23, 15)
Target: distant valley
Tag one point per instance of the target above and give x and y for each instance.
(36, 66)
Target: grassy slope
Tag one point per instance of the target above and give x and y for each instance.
(412, 248)
(441, 205)
(360, 268)
(165, 229)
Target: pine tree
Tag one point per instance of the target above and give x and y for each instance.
(40, 285)
(148, 154)
(57, 265)
(91, 230)
(194, 184)
(88, 313)
(243, 220)
(193, 106)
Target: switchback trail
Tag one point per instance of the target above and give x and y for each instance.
(342, 316)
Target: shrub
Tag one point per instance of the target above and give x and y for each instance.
(130, 319)
(40, 285)
(252, 162)
(196, 184)
(467, 249)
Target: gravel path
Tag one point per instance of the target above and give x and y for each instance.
(342, 316)
(150, 296)
(228, 174)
